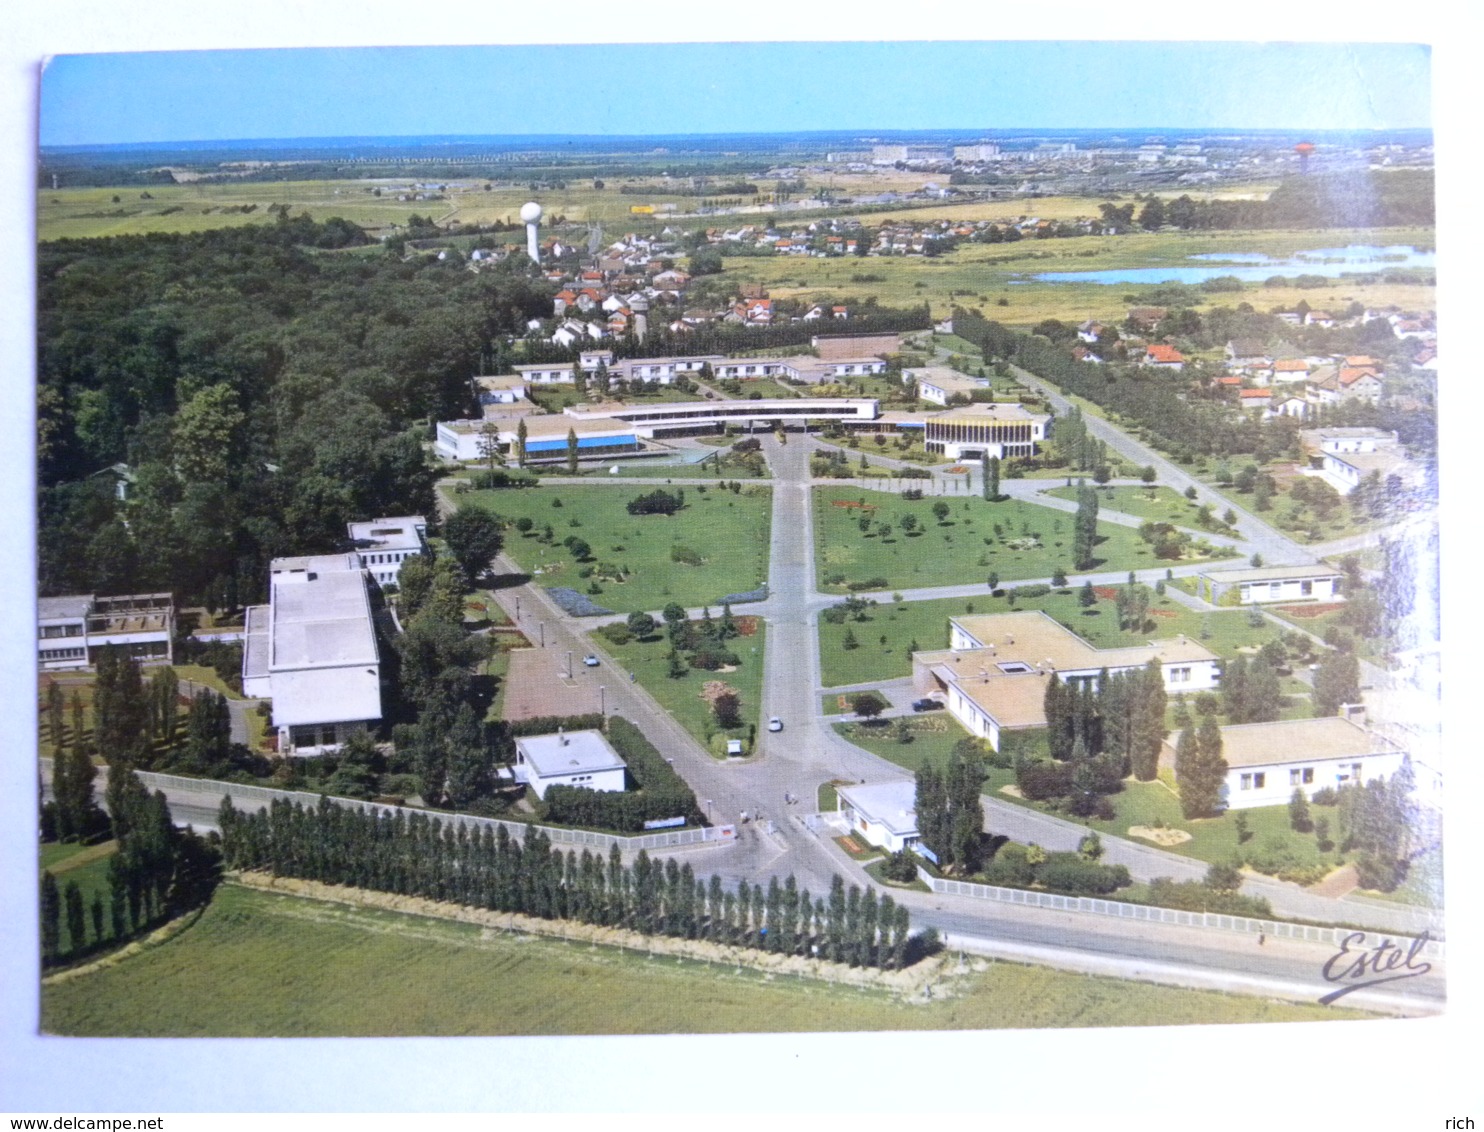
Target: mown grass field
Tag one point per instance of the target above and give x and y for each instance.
(1224, 632)
(1158, 504)
(84, 865)
(729, 531)
(681, 696)
(964, 547)
(266, 965)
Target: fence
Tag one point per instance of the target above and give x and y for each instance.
(1277, 929)
(259, 797)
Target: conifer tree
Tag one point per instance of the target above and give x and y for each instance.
(51, 919)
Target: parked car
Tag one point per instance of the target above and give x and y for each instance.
(590, 660)
(926, 705)
(775, 724)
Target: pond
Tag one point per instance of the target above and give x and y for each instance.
(1255, 267)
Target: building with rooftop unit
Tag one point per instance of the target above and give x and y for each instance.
(312, 651)
(384, 544)
(577, 758)
(939, 384)
(994, 673)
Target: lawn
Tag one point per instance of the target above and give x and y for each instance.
(934, 736)
(1158, 504)
(681, 696)
(267, 965)
(1224, 632)
(87, 866)
(1013, 539)
(705, 470)
(729, 530)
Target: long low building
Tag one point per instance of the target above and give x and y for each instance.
(994, 673)
(312, 651)
(1266, 762)
(1271, 583)
(70, 630)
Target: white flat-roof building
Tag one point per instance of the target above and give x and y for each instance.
(885, 813)
(1271, 583)
(1266, 762)
(1000, 429)
(577, 758)
(70, 630)
(312, 650)
(938, 383)
(384, 544)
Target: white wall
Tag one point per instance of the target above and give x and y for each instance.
(1277, 787)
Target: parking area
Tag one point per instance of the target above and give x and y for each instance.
(538, 685)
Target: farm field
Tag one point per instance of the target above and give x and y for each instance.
(681, 696)
(268, 965)
(1225, 632)
(729, 530)
(965, 546)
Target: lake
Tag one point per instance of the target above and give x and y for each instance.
(1255, 267)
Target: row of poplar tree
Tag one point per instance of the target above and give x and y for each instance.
(156, 872)
(415, 854)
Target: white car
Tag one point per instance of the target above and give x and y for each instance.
(775, 724)
(590, 660)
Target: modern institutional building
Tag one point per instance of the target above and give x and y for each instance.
(994, 673)
(1266, 762)
(577, 758)
(884, 814)
(71, 629)
(973, 431)
(312, 651)
(1271, 583)
(384, 544)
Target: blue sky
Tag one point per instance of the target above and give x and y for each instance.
(729, 88)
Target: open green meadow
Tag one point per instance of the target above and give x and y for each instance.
(196, 206)
(1012, 538)
(1157, 504)
(729, 532)
(84, 865)
(267, 965)
(681, 696)
(1225, 632)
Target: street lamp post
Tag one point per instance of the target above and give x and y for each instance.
(543, 633)
(569, 664)
(517, 609)
(602, 699)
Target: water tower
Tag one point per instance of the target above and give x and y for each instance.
(530, 214)
(1304, 149)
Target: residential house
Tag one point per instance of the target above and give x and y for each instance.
(1163, 357)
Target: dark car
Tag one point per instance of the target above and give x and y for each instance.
(926, 705)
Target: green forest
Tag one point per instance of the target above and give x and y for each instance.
(263, 385)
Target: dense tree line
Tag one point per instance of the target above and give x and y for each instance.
(1200, 770)
(262, 392)
(157, 871)
(1098, 732)
(418, 855)
(1347, 199)
(1375, 823)
(658, 791)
